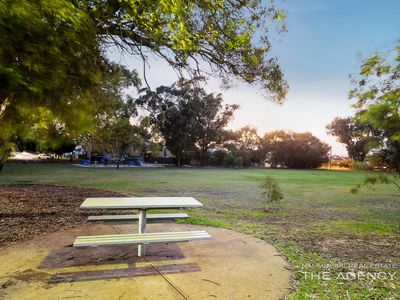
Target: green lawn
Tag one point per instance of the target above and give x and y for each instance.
(318, 227)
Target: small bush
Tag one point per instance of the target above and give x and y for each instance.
(360, 166)
(271, 191)
(238, 162)
(219, 156)
(228, 160)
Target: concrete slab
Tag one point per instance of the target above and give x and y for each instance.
(229, 266)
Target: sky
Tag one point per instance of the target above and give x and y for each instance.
(325, 42)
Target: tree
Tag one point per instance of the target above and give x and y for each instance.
(24, 144)
(377, 94)
(51, 55)
(172, 112)
(231, 36)
(49, 59)
(358, 137)
(111, 131)
(294, 150)
(187, 116)
(53, 139)
(112, 137)
(245, 142)
(117, 138)
(271, 191)
(143, 134)
(276, 146)
(211, 120)
(218, 156)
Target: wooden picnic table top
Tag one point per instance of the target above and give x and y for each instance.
(139, 202)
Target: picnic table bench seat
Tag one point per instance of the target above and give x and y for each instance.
(142, 204)
(136, 217)
(139, 238)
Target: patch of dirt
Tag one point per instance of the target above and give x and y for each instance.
(338, 244)
(351, 247)
(32, 276)
(292, 225)
(29, 210)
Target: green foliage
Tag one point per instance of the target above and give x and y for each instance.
(377, 94)
(228, 160)
(49, 61)
(24, 144)
(187, 116)
(238, 162)
(271, 190)
(381, 160)
(218, 157)
(371, 181)
(231, 37)
(294, 150)
(246, 143)
(359, 166)
(111, 131)
(51, 54)
(358, 137)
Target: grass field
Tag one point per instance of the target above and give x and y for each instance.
(319, 226)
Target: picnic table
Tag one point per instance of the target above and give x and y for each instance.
(142, 204)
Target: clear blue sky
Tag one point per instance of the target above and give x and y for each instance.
(325, 42)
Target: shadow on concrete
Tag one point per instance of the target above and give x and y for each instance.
(87, 257)
(73, 257)
(123, 273)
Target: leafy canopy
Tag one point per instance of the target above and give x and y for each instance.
(51, 54)
(377, 94)
(187, 116)
(246, 143)
(294, 150)
(49, 61)
(220, 37)
(359, 137)
(111, 131)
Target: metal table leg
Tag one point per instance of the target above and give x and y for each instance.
(142, 229)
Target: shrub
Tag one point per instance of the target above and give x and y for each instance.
(219, 156)
(228, 160)
(360, 166)
(271, 191)
(238, 161)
